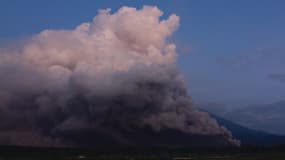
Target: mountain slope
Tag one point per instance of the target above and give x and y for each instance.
(250, 136)
(144, 137)
(264, 117)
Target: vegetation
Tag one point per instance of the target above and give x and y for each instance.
(243, 153)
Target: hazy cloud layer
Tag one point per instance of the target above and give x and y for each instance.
(279, 77)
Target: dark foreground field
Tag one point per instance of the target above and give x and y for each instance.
(245, 153)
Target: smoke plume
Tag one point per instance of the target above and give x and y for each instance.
(118, 71)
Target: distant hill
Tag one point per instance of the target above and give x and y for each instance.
(265, 117)
(250, 136)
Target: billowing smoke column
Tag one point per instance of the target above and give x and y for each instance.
(117, 71)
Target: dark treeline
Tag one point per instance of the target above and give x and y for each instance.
(16, 151)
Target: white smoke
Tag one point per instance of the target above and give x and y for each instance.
(72, 79)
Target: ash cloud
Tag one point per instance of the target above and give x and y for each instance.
(118, 71)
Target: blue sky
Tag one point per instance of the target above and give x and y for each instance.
(227, 48)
